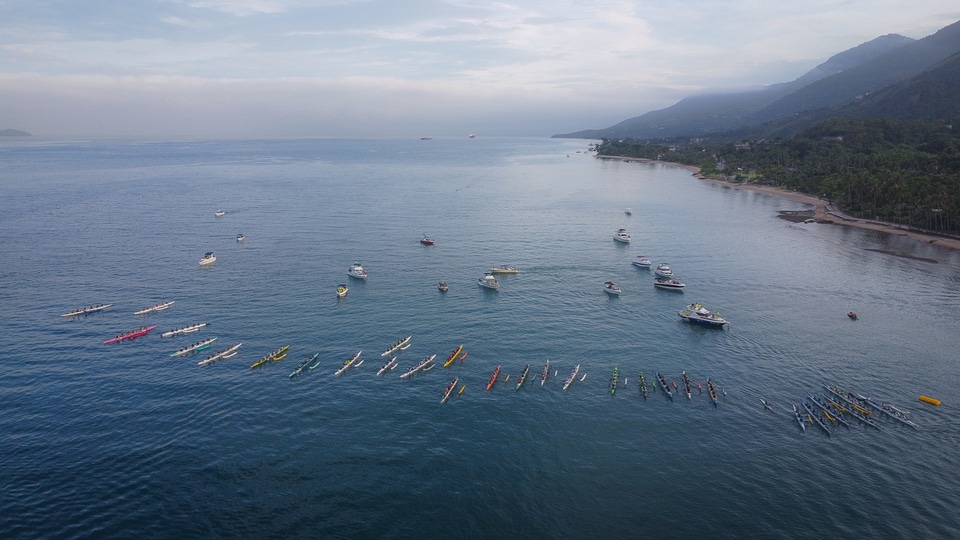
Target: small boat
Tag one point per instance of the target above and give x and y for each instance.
(133, 334)
(357, 271)
(664, 386)
(493, 378)
(546, 373)
(888, 410)
(523, 376)
(643, 385)
(766, 405)
(663, 270)
(157, 307)
(614, 380)
(453, 356)
(796, 414)
(450, 388)
(302, 364)
(669, 284)
(686, 385)
(342, 290)
(424, 365)
(219, 213)
(347, 364)
(395, 347)
(208, 258)
(621, 236)
(391, 363)
(571, 378)
(442, 286)
(426, 240)
(198, 346)
(853, 315)
(489, 282)
(183, 330)
(611, 287)
(87, 310)
(504, 269)
(240, 238)
(696, 313)
(642, 261)
(222, 354)
(628, 212)
(713, 393)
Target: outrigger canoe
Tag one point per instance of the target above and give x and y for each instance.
(391, 364)
(395, 347)
(275, 356)
(666, 388)
(453, 357)
(424, 365)
(450, 389)
(198, 346)
(493, 378)
(184, 330)
(546, 373)
(347, 364)
(523, 376)
(614, 380)
(571, 378)
(229, 352)
(134, 334)
(713, 393)
(87, 310)
(302, 364)
(686, 385)
(643, 385)
(157, 307)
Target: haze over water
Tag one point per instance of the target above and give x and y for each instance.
(123, 440)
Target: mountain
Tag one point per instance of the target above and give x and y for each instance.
(846, 78)
(895, 66)
(933, 95)
(13, 133)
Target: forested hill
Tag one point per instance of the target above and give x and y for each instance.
(874, 168)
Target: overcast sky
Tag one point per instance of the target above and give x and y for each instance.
(368, 68)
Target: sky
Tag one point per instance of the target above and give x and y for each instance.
(396, 68)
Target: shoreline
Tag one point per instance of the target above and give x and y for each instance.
(823, 212)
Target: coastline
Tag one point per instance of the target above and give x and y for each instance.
(823, 212)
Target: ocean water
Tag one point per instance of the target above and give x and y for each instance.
(123, 440)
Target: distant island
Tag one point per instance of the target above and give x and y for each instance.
(13, 133)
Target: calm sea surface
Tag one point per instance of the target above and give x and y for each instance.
(124, 441)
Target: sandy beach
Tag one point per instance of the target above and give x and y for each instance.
(823, 212)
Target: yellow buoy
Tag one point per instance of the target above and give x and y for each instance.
(930, 400)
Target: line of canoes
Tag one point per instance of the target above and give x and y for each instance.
(834, 409)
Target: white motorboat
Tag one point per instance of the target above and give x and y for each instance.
(240, 238)
(628, 212)
(504, 269)
(341, 290)
(696, 313)
(642, 261)
(208, 258)
(668, 283)
(357, 271)
(663, 270)
(622, 236)
(443, 286)
(219, 213)
(489, 281)
(611, 287)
